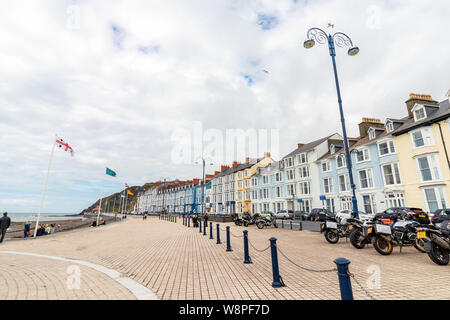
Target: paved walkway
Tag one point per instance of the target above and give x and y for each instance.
(176, 262)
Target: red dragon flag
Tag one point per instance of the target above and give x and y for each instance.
(64, 145)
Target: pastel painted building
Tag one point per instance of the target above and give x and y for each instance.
(423, 146)
(376, 170)
(301, 174)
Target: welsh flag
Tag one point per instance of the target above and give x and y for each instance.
(64, 145)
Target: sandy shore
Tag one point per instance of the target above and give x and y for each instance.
(16, 228)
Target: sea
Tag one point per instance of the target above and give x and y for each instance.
(22, 217)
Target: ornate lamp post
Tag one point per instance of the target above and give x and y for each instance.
(341, 40)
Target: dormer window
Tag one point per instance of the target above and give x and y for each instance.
(389, 126)
(419, 112)
(371, 133)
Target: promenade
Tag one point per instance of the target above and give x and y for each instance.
(137, 259)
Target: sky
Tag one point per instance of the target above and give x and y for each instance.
(116, 79)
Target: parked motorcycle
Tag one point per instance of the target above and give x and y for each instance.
(436, 241)
(401, 233)
(334, 229)
(250, 219)
(361, 232)
(237, 220)
(266, 222)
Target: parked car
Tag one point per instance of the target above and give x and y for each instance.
(345, 214)
(440, 215)
(319, 214)
(285, 214)
(391, 214)
(300, 215)
(266, 214)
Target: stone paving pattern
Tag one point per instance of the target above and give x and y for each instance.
(177, 262)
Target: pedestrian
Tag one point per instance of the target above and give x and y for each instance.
(26, 229)
(5, 222)
(205, 217)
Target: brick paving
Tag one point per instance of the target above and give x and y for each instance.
(177, 262)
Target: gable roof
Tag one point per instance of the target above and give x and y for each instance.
(442, 113)
(309, 146)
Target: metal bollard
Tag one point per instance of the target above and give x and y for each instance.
(282, 224)
(275, 270)
(175, 219)
(200, 226)
(189, 221)
(246, 255)
(300, 226)
(291, 224)
(344, 278)
(210, 231)
(228, 239)
(205, 225)
(218, 234)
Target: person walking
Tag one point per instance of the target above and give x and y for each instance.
(27, 229)
(5, 222)
(205, 217)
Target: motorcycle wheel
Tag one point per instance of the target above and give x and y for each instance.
(238, 223)
(357, 239)
(260, 224)
(331, 236)
(383, 246)
(438, 255)
(419, 245)
(245, 223)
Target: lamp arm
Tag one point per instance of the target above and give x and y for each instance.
(318, 35)
(342, 40)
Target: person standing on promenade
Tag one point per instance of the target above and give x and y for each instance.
(205, 217)
(26, 229)
(5, 222)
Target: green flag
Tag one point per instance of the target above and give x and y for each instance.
(110, 172)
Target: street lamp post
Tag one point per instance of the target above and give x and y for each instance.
(341, 40)
(203, 184)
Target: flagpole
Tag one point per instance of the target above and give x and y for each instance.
(45, 187)
(126, 201)
(100, 206)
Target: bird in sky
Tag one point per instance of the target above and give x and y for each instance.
(265, 71)
(330, 25)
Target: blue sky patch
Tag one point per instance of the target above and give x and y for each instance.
(267, 21)
(248, 78)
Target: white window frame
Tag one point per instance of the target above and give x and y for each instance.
(371, 133)
(396, 183)
(302, 158)
(440, 197)
(365, 152)
(389, 126)
(369, 175)
(416, 108)
(432, 165)
(344, 161)
(388, 142)
(427, 137)
(327, 163)
(346, 182)
(330, 185)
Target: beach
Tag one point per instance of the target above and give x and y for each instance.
(62, 223)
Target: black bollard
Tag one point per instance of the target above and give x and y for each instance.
(344, 278)
(210, 231)
(218, 234)
(200, 225)
(246, 254)
(275, 270)
(228, 239)
(205, 225)
(189, 221)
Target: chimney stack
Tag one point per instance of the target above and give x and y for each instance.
(216, 173)
(299, 145)
(223, 168)
(266, 154)
(235, 164)
(420, 99)
(366, 123)
(247, 160)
